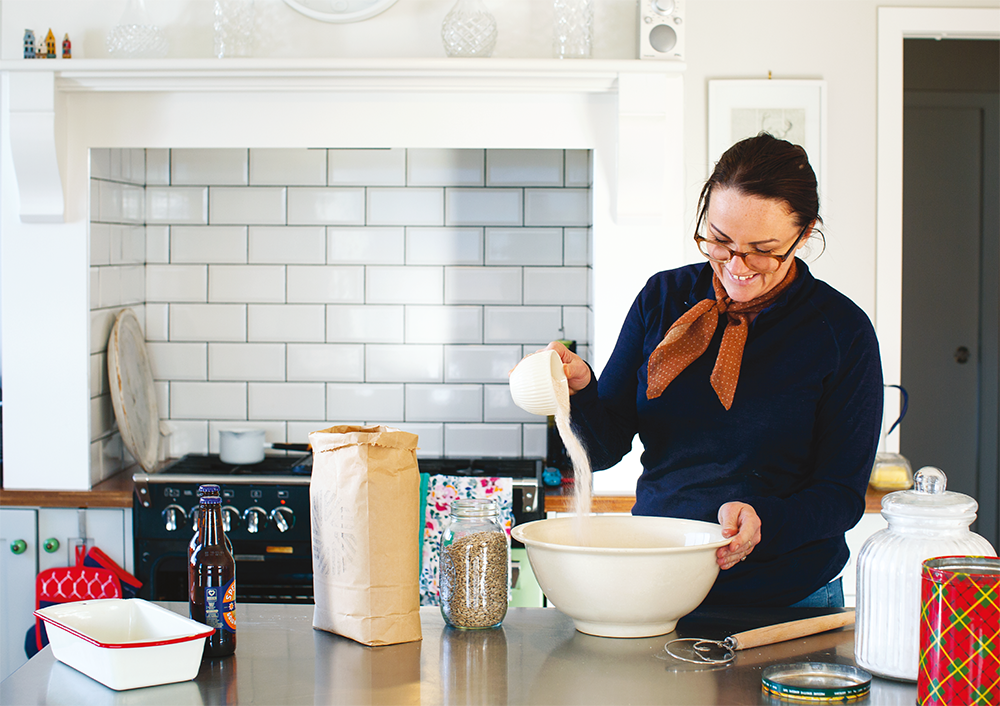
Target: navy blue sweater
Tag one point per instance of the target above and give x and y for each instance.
(798, 443)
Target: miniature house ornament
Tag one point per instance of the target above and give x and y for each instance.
(29, 44)
(67, 47)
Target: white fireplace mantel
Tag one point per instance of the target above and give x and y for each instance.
(628, 114)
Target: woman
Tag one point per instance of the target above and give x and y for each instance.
(755, 388)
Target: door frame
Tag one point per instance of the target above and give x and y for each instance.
(894, 25)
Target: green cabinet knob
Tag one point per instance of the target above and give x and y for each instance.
(18, 546)
(51, 545)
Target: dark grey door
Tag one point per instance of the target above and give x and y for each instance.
(950, 272)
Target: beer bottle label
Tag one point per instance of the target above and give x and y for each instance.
(220, 606)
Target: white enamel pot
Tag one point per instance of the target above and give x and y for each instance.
(242, 447)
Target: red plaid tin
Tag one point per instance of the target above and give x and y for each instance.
(959, 632)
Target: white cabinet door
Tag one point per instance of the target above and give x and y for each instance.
(18, 568)
(50, 536)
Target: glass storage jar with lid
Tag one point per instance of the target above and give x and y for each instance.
(925, 522)
(475, 565)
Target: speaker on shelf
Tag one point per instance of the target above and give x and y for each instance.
(661, 29)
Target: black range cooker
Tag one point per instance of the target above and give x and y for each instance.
(266, 511)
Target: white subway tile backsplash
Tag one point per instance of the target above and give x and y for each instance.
(576, 323)
(411, 206)
(444, 324)
(177, 205)
(477, 440)
(404, 363)
(250, 205)
(100, 244)
(287, 245)
(479, 363)
(358, 286)
(178, 361)
(364, 324)
(246, 283)
(527, 324)
(100, 163)
(208, 400)
(534, 440)
(133, 284)
(499, 406)
(208, 244)
(286, 400)
(444, 246)
(157, 322)
(557, 207)
(344, 206)
(157, 167)
(576, 247)
(287, 167)
(188, 437)
(301, 323)
(524, 167)
(404, 285)
(482, 285)
(226, 166)
(364, 401)
(439, 403)
(556, 285)
(430, 438)
(322, 284)
(524, 246)
(208, 322)
(246, 361)
(157, 245)
(445, 167)
(326, 362)
(366, 167)
(484, 207)
(102, 417)
(578, 168)
(365, 246)
(176, 283)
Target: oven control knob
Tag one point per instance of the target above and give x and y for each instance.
(193, 515)
(229, 513)
(256, 519)
(283, 518)
(173, 517)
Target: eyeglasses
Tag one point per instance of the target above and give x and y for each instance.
(761, 262)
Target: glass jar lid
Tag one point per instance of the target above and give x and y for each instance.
(930, 499)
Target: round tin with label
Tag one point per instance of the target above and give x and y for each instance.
(816, 681)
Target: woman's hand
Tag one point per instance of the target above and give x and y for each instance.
(740, 522)
(577, 372)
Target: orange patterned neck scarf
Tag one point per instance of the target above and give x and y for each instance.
(690, 335)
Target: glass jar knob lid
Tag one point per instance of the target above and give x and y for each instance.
(930, 498)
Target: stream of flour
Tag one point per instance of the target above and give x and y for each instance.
(581, 467)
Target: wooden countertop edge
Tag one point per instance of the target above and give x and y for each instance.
(561, 500)
(115, 491)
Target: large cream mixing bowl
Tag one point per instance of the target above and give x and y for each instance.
(631, 577)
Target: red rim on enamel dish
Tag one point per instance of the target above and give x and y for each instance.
(959, 631)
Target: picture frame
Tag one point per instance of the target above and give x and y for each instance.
(791, 109)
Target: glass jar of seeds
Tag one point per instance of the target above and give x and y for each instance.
(475, 566)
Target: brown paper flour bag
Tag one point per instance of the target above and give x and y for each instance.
(364, 500)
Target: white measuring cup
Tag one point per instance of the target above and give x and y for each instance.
(538, 382)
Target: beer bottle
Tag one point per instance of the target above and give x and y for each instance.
(212, 591)
(203, 490)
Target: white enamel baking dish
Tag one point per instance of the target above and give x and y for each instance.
(125, 643)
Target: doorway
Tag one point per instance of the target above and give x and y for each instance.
(950, 244)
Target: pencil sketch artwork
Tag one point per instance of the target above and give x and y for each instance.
(784, 123)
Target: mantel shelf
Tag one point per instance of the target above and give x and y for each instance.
(486, 75)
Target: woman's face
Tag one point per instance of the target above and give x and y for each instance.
(745, 224)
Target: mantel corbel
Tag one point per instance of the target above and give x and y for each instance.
(32, 119)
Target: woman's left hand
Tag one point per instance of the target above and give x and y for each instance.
(740, 522)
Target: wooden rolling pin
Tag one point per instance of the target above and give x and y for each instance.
(788, 631)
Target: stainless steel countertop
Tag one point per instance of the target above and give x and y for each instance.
(536, 657)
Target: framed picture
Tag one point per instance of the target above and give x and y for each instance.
(793, 110)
